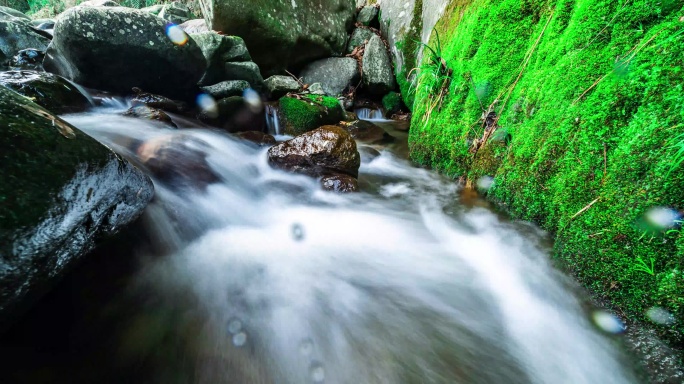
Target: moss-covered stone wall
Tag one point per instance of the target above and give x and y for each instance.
(589, 103)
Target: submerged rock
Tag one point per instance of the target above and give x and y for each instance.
(324, 151)
(305, 113)
(60, 193)
(132, 51)
(47, 90)
(28, 59)
(259, 138)
(377, 68)
(149, 113)
(337, 75)
(366, 131)
(340, 183)
(278, 86)
(283, 34)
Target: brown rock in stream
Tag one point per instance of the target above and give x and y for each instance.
(321, 152)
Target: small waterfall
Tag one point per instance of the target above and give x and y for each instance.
(370, 114)
(272, 122)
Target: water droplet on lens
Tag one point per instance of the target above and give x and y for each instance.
(607, 322)
(208, 105)
(253, 100)
(239, 339)
(306, 347)
(663, 217)
(297, 232)
(176, 34)
(317, 372)
(234, 326)
(484, 183)
(660, 316)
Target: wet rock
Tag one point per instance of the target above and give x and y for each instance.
(283, 34)
(340, 183)
(7, 13)
(233, 114)
(61, 192)
(99, 3)
(157, 101)
(85, 52)
(194, 26)
(149, 113)
(321, 152)
(278, 86)
(359, 37)
(259, 138)
(50, 91)
(305, 113)
(368, 16)
(27, 59)
(366, 131)
(218, 51)
(16, 35)
(368, 153)
(179, 161)
(175, 12)
(247, 71)
(316, 89)
(226, 89)
(43, 24)
(337, 75)
(377, 68)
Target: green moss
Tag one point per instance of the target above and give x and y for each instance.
(592, 94)
(392, 103)
(308, 113)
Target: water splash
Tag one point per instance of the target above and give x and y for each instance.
(370, 114)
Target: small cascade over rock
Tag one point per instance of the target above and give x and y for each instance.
(370, 113)
(272, 121)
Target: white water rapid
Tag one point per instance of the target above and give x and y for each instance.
(269, 279)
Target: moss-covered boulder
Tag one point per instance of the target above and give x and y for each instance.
(305, 113)
(116, 49)
(283, 34)
(392, 103)
(52, 92)
(60, 193)
(328, 150)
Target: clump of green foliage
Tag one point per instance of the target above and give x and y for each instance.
(392, 103)
(591, 96)
(308, 112)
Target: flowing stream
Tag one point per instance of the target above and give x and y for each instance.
(265, 278)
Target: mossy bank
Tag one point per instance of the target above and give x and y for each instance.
(588, 96)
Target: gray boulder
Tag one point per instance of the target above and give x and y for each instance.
(153, 9)
(336, 74)
(47, 90)
(99, 3)
(359, 37)
(116, 49)
(62, 192)
(278, 86)
(7, 13)
(194, 26)
(247, 71)
(368, 16)
(283, 34)
(16, 35)
(377, 68)
(175, 12)
(220, 50)
(226, 89)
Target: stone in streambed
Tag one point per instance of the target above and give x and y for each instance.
(149, 113)
(219, 51)
(366, 131)
(233, 114)
(30, 58)
(47, 90)
(278, 86)
(157, 101)
(337, 75)
(323, 151)
(132, 51)
(339, 183)
(259, 138)
(378, 77)
(16, 35)
(226, 89)
(368, 16)
(358, 38)
(61, 192)
(175, 12)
